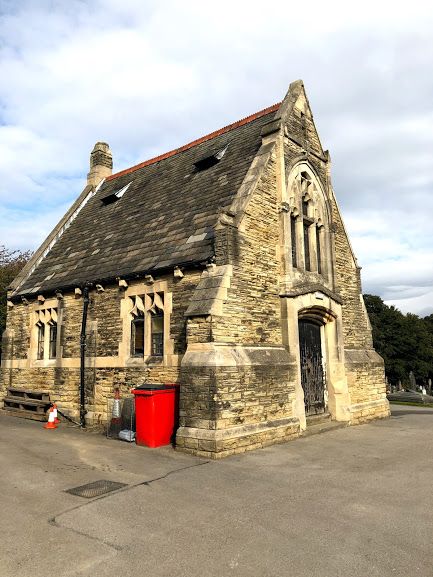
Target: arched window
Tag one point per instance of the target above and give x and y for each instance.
(41, 341)
(46, 339)
(157, 330)
(53, 341)
(147, 325)
(137, 336)
(308, 213)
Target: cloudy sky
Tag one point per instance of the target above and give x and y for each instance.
(148, 76)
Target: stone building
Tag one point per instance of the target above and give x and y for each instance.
(223, 266)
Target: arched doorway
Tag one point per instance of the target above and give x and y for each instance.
(312, 369)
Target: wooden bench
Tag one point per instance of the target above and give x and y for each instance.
(27, 403)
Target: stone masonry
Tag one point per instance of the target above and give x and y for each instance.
(249, 245)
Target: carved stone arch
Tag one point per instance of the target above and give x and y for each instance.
(302, 160)
(303, 183)
(317, 314)
(310, 242)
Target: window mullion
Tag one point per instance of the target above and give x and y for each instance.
(147, 333)
(46, 342)
(294, 243)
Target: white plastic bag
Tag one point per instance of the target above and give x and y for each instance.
(127, 435)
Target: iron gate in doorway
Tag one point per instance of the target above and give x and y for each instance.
(312, 372)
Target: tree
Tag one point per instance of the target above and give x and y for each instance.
(404, 341)
(11, 262)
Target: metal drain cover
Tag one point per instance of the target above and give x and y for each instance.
(95, 489)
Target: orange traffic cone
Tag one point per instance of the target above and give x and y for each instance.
(51, 423)
(56, 418)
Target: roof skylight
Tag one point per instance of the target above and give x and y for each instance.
(113, 196)
(211, 160)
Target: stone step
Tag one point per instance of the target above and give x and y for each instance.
(323, 427)
(316, 419)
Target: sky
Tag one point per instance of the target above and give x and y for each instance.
(148, 76)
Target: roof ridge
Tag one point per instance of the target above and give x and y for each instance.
(209, 136)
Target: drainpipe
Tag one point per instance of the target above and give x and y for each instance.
(83, 356)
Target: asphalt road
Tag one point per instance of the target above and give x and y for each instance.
(351, 502)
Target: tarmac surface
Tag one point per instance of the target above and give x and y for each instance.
(350, 502)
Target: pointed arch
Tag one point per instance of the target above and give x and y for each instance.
(310, 219)
(304, 182)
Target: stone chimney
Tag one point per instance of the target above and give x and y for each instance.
(101, 163)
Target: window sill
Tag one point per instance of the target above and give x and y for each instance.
(45, 362)
(148, 361)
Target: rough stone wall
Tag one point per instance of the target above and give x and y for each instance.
(300, 125)
(357, 334)
(252, 309)
(364, 367)
(227, 410)
(104, 308)
(104, 333)
(182, 291)
(18, 320)
(199, 330)
(366, 382)
(72, 312)
(63, 384)
(223, 397)
(366, 376)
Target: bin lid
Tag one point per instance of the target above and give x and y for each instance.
(153, 387)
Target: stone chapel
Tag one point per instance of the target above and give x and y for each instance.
(223, 266)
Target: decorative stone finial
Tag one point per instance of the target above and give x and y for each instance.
(101, 163)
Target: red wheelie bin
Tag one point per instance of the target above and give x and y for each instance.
(155, 414)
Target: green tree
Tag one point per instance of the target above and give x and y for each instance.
(11, 262)
(404, 341)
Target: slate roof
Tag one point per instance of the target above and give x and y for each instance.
(165, 218)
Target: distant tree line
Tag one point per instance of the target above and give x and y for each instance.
(405, 341)
(11, 262)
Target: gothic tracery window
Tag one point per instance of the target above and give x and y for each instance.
(46, 333)
(137, 336)
(306, 224)
(147, 325)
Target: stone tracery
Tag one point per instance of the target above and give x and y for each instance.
(308, 215)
